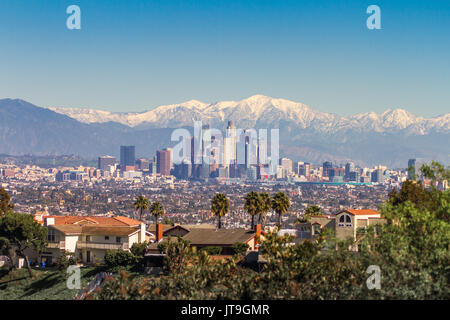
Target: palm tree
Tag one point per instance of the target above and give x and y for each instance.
(220, 205)
(157, 210)
(141, 205)
(281, 204)
(311, 211)
(253, 205)
(266, 205)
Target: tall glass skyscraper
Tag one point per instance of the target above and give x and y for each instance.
(127, 156)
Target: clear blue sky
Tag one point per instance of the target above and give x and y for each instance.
(134, 55)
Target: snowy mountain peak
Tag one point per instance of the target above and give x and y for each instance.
(263, 111)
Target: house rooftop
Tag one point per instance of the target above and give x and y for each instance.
(361, 212)
(76, 229)
(95, 220)
(211, 237)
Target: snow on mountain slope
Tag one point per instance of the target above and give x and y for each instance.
(263, 111)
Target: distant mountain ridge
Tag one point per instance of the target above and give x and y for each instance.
(263, 111)
(390, 138)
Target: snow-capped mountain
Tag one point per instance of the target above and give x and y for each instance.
(390, 138)
(262, 111)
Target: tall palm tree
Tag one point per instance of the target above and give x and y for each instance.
(281, 204)
(157, 210)
(310, 211)
(266, 206)
(220, 205)
(141, 205)
(253, 205)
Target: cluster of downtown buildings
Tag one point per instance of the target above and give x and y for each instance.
(238, 156)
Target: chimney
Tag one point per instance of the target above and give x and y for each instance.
(159, 232)
(258, 233)
(142, 232)
(49, 221)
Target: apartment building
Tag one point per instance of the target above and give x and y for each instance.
(348, 223)
(88, 238)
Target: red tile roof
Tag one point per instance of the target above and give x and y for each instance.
(100, 221)
(361, 212)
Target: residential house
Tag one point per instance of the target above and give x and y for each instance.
(88, 238)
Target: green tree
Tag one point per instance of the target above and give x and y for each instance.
(157, 210)
(139, 249)
(266, 206)
(281, 205)
(116, 259)
(22, 233)
(435, 171)
(252, 205)
(309, 212)
(240, 248)
(5, 202)
(141, 205)
(220, 205)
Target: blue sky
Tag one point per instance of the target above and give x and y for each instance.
(135, 55)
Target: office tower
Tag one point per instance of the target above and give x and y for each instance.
(297, 167)
(377, 175)
(286, 164)
(105, 161)
(336, 174)
(152, 167)
(411, 169)
(127, 156)
(326, 166)
(262, 151)
(252, 173)
(143, 164)
(354, 176)
(229, 145)
(349, 167)
(163, 162)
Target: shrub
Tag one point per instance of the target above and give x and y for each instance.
(213, 251)
(119, 258)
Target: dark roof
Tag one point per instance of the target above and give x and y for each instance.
(152, 227)
(226, 237)
(74, 229)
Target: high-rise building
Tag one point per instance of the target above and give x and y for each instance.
(326, 166)
(105, 161)
(143, 164)
(286, 164)
(163, 162)
(411, 169)
(349, 167)
(127, 156)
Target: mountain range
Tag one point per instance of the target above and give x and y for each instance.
(389, 138)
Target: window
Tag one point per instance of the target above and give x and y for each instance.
(118, 239)
(316, 229)
(106, 237)
(348, 221)
(88, 238)
(51, 237)
(345, 221)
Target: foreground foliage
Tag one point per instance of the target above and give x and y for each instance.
(411, 249)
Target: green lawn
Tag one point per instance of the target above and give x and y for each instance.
(46, 285)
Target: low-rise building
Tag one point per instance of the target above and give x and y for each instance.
(88, 238)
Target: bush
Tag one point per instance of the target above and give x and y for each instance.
(213, 251)
(240, 248)
(139, 249)
(114, 259)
